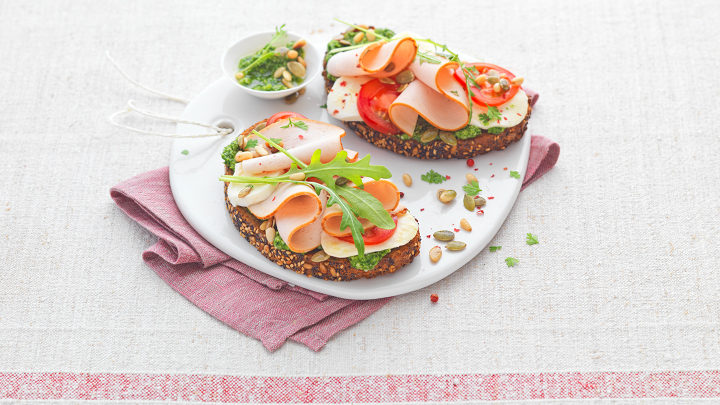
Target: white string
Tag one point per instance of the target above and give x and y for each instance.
(132, 107)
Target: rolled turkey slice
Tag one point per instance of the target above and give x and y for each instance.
(329, 146)
(384, 190)
(374, 58)
(439, 110)
(440, 77)
(298, 215)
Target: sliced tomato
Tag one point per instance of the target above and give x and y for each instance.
(374, 235)
(373, 102)
(484, 94)
(283, 115)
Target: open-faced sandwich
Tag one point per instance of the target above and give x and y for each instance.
(416, 97)
(313, 207)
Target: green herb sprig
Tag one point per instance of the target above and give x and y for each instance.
(511, 261)
(532, 239)
(433, 177)
(514, 174)
(265, 52)
(493, 114)
(298, 124)
(472, 189)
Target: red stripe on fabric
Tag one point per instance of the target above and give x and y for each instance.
(359, 389)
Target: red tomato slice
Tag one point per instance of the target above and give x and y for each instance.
(484, 94)
(373, 102)
(374, 235)
(283, 115)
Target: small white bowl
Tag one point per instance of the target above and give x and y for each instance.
(253, 43)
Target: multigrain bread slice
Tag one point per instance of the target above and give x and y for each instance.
(465, 148)
(336, 269)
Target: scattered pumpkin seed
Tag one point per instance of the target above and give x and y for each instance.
(447, 196)
(282, 50)
(260, 126)
(407, 179)
(429, 135)
(386, 80)
(402, 87)
(444, 235)
(469, 203)
(299, 43)
(390, 67)
(493, 79)
(448, 138)
(297, 69)
(406, 76)
(470, 177)
(479, 201)
(292, 98)
(338, 37)
(341, 181)
(435, 253)
(493, 72)
(320, 256)
(245, 191)
(440, 191)
(505, 84)
(344, 42)
(464, 224)
(456, 245)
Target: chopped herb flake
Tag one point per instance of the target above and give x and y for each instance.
(511, 261)
(532, 239)
(185, 152)
(495, 248)
(514, 174)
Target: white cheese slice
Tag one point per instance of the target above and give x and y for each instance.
(513, 112)
(406, 230)
(260, 192)
(342, 99)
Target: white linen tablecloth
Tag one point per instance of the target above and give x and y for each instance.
(625, 277)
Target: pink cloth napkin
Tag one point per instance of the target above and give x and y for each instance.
(246, 299)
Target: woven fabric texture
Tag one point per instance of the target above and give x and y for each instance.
(624, 277)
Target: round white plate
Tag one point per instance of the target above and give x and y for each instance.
(199, 194)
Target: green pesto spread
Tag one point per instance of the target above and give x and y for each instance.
(260, 76)
(279, 243)
(368, 262)
(349, 37)
(228, 154)
(468, 132)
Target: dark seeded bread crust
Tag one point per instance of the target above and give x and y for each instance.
(337, 269)
(465, 148)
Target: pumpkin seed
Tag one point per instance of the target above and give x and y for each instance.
(469, 203)
(358, 37)
(349, 30)
(292, 54)
(299, 43)
(370, 35)
(270, 234)
(386, 80)
(297, 176)
(282, 50)
(429, 135)
(390, 67)
(440, 191)
(341, 181)
(260, 126)
(344, 42)
(402, 87)
(479, 201)
(444, 235)
(518, 81)
(448, 138)
(245, 191)
(470, 177)
(447, 196)
(292, 98)
(505, 84)
(464, 224)
(320, 256)
(435, 253)
(407, 179)
(493, 72)
(286, 75)
(297, 69)
(287, 83)
(493, 79)
(338, 37)
(406, 76)
(302, 61)
(456, 245)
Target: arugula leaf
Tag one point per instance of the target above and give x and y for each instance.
(514, 174)
(454, 92)
(348, 219)
(324, 105)
(532, 239)
(426, 57)
(251, 143)
(496, 130)
(298, 124)
(493, 114)
(473, 69)
(472, 189)
(432, 177)
(511, 261)
(365, 206)
(340, 167)
(495, 248)
(185, 152)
